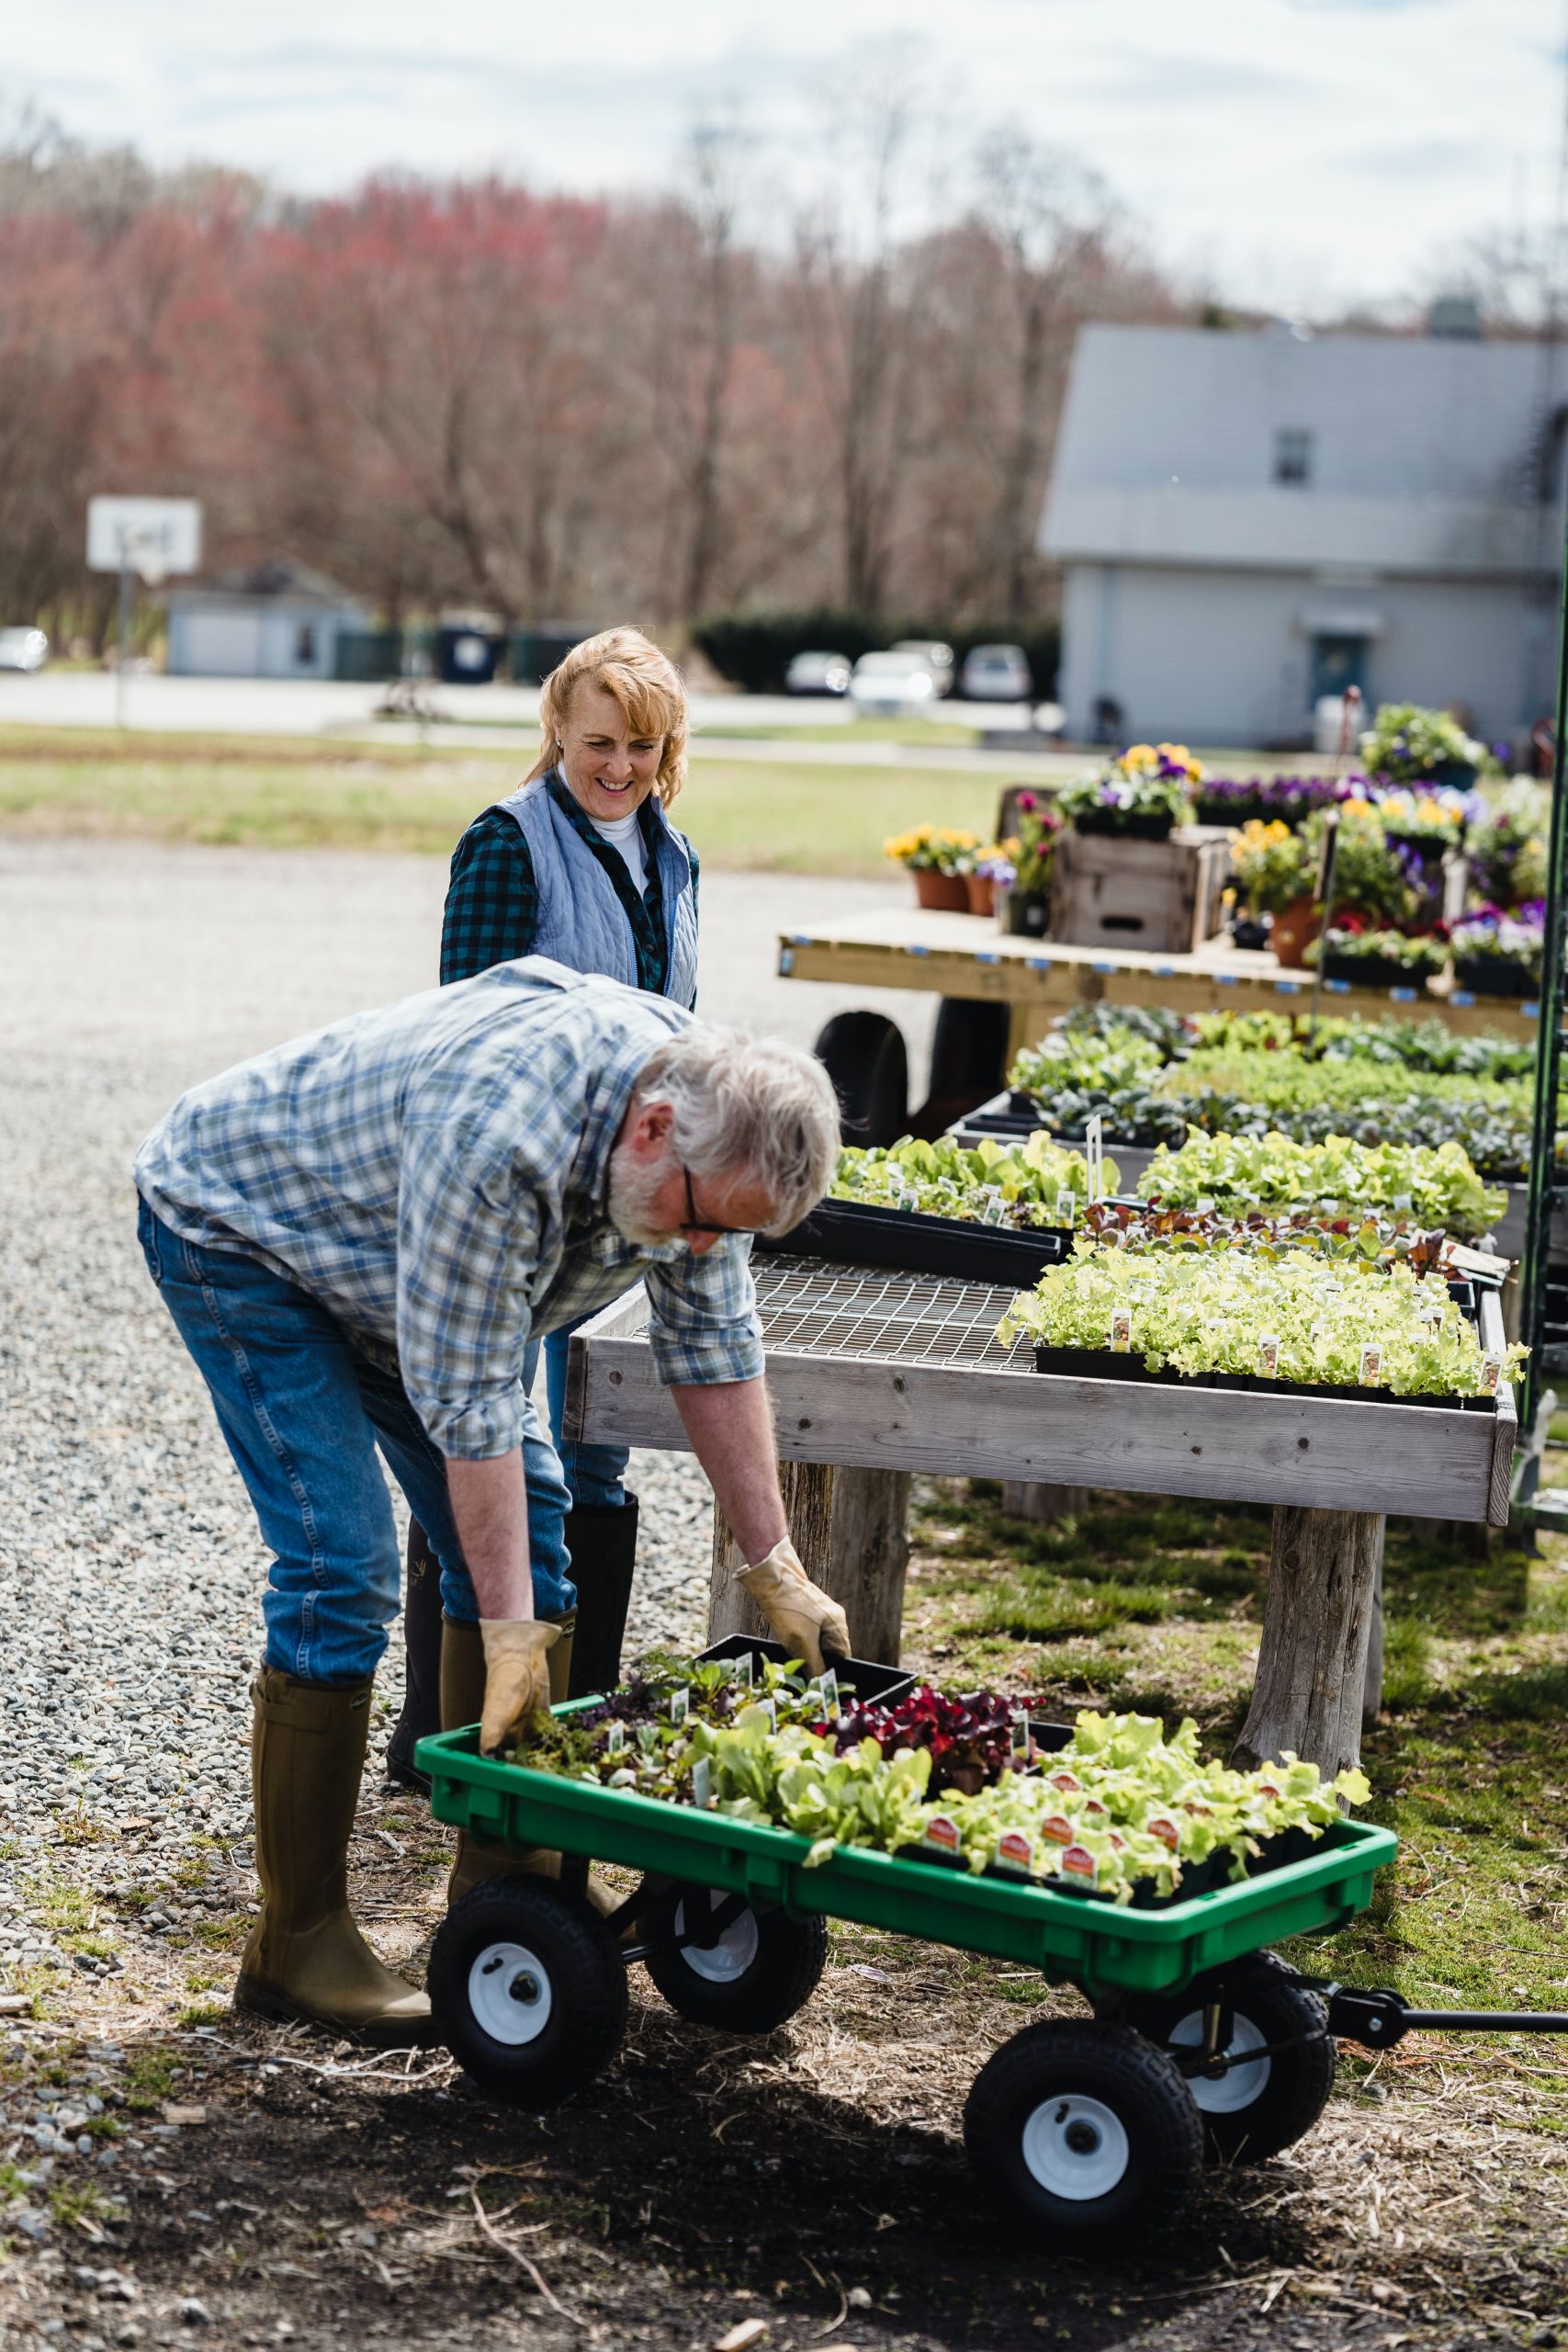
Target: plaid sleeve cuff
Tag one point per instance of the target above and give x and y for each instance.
(682, 1362)
(704, 1326)
(473, 1432)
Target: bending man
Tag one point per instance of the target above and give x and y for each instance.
(356, 1235)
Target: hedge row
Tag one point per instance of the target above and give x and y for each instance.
(754, 649)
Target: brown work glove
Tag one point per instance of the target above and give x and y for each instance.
(517, 1680)
(801, 1615)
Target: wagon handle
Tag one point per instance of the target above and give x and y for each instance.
(1378, 2019)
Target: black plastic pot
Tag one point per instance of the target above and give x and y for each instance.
(1133, 825)
(863, 1676)
(1248, 931)
(1025, 914)
(1497, 975)
(857, 1233)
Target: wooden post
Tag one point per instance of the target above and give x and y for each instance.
(1311, 1662)
(1371, 1691)
(849, 1527)
(1024, 1499)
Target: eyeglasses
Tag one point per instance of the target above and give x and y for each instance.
(695, 1224)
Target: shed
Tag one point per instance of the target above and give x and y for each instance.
(1249, 521)
(275, 620)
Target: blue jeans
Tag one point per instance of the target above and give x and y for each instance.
(594, 1474)
(303, 1412)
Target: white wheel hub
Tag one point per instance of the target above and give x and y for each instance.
(1077, 2147)
(723, 1962)
(510, 1995)
(1225, 2094)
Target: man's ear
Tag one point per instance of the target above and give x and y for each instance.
(652, 1127)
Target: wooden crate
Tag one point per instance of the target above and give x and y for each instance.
(1163, 897)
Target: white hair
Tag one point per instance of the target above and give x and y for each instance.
(753, 1106)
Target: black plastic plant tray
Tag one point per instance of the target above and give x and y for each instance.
(1100, 1363)
(1496, 975)
(1377, 972)
(1104, 1363)
(857, 1233)
(863, 1676)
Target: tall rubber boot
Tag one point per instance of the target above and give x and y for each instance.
(462, 1702)
(422, 1662)
(305, 1959)
(602, 1547)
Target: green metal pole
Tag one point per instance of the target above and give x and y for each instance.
(1549, 1043)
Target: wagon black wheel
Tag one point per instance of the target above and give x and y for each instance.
(528, 1990)
(1087, 2128)
(864, 1055)
(743, 1971)
(1252, 2111)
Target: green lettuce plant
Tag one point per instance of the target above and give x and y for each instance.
(1015, 1185)
(1437, 1186)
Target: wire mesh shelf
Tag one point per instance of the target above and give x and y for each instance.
(809, 1305)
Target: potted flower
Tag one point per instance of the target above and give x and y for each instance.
(1273, 868)
(1369, 958)
(1143, 795)
(1025, 911)
(1370, 879)
(939, 858)
(1409, 745)
(1234, 800)
(1498, 953)
(992, 871)
(1507, 848)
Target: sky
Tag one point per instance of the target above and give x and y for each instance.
(1290, 154)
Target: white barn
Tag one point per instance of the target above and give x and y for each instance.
(272, 620)
(1249, 521)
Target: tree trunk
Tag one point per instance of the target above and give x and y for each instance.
(849, 1527)
(1024, 1499)
(1312, 1664)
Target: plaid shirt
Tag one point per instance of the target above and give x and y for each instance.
(492, 901)
(436, 1175)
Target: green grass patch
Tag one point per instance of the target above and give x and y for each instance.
(149, 2080)
(201, 2013)
(219, 791)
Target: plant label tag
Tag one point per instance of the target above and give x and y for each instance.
(772, 1705)
(1204, 1207)
(679, 1704)
(1079, 1863)
(1023, 1748)
(1094, 1152)
(1160, 1826)
(746, 1669)
(995, 1207)
(1015, 1852)
(1268, 1355)
(702, 1782)
(830, 1702)
(1403, 1200)
(1371, 1367)
(616, 1738)
(941, 1831)
(1067, 1206)
(1121, 1333)
(1058, 1828)
(1491, 1374)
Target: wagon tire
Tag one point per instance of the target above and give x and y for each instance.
(865, 1056)
(1088, 2129)
(765, 1966)
(528, 1990)
(1252, 2113)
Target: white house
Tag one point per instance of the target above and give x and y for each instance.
(1249, 521)
(272, 620)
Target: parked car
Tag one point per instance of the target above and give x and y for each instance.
(996, 674)
(937, 657)
(23, 649)
(818, 673)
(892, 682)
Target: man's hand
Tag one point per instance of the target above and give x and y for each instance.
(517, 1680)
(804, 1617)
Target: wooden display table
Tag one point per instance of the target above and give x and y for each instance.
(900, 1373)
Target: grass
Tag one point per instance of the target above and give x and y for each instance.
(227, 792)
(1157, 1606)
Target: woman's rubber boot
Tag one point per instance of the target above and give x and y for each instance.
(422, 1663)
(603, 1548)
(305, 1960)
(462, 1702)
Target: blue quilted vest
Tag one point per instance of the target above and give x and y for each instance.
(581, 923)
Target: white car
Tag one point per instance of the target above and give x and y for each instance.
(892, 682)
(937, 657)
(996, 674)
(817, 674)
(23, 649)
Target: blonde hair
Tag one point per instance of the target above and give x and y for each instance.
(645, 682)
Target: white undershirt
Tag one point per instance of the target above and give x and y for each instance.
(624, 834)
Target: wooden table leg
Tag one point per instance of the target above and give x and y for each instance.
(849, 1527)
(1312, 1661)
(1026, 1498)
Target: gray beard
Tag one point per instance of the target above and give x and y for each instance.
(632, 1194)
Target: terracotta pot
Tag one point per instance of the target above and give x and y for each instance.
(982, 893)
(1293, 926)
(944, 890)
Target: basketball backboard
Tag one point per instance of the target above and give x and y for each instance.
(151, 536)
